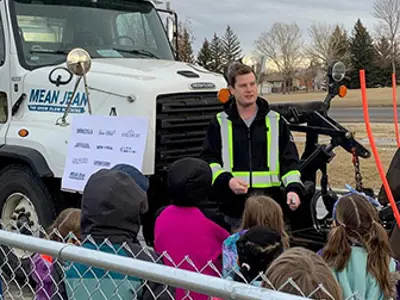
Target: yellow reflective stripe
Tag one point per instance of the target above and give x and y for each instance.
(291, 177)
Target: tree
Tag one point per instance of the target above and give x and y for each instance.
(363, 56)
(388, 14)
(205, 55)
(185, 41)
(282, 45)
(231, 45)
(328, 43)
(384, 60)
(217, 55)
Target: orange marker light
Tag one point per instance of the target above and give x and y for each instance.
(23, 132)
(224, 95)
(342, 91)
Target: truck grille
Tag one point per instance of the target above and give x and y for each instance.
(182, 121)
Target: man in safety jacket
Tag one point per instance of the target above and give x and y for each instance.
(250, 148)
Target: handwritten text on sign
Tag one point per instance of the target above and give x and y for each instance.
(98, 142)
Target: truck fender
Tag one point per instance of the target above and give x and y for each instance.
(30, 156)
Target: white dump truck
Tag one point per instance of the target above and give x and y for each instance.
(134, 72)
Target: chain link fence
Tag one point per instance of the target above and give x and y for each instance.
(37, 267)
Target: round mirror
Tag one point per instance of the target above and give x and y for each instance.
(79, 61)
(338, 71)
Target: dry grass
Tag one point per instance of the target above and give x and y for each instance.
(376, 97)
(341, 170)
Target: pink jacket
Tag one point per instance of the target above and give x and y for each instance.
(185, 231)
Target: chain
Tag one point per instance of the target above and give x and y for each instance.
(357, 171)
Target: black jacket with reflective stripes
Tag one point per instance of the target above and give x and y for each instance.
(250, 155)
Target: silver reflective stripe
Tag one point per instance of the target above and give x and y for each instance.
(273, 141)
(215, 168)
(291, 178)
(224, 124)
(259, 180)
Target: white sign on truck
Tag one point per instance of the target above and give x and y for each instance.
(99, 142)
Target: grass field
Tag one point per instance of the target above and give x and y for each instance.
(376, 97)
(341, 170)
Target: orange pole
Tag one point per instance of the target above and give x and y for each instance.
(396, 120)
(374, 150)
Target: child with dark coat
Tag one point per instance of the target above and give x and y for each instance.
(112, 203)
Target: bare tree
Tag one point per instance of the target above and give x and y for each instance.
(282, 45)
(388, 14)
(328, 43)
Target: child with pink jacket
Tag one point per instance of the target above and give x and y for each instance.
(185, 228)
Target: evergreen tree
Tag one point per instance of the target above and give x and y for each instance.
(231, 45)
(185, 41)
(340, 45)
(363, 56)
(217, 55)
(384, 61)
(204, 57)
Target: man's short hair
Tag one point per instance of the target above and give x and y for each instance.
(237, 69)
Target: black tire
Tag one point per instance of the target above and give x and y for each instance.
(19, 178)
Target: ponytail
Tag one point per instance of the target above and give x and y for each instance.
(337, 250)
(379, 257)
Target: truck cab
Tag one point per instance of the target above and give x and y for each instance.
(134, 72)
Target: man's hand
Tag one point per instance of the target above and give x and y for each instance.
(293, 200)
(238, 186)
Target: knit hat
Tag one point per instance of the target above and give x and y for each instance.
(137, 176)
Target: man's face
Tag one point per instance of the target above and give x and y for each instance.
(245, 90)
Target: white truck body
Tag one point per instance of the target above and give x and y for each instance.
(117, 78)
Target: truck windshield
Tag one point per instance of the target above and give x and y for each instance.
(46, 30)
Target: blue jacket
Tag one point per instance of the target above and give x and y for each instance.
(355, 279)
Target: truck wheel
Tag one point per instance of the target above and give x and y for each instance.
(26, 207)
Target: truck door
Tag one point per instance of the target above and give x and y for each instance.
(5, 101)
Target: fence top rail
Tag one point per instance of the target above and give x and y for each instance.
(213, 286)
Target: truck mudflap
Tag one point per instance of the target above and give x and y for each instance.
(32, 157)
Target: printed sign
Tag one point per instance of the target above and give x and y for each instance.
(43, 100)
(102, 142)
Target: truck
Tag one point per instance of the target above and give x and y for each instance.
(134, 71)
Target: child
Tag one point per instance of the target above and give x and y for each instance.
(192, 240)
(112, 202)
(259, 210)
(46, 272)
(301, 272)
(358, 250)
(257, 249)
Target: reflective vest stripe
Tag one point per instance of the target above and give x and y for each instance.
(290, 177)
(226, 138)
(272, 123)
(216, 171)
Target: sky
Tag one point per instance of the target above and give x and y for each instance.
(249, 19)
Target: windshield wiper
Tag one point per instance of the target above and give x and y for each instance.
(140, 52)
(57, 52)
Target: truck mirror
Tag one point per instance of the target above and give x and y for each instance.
(338, 71)
(170, 29)
(79, 62)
